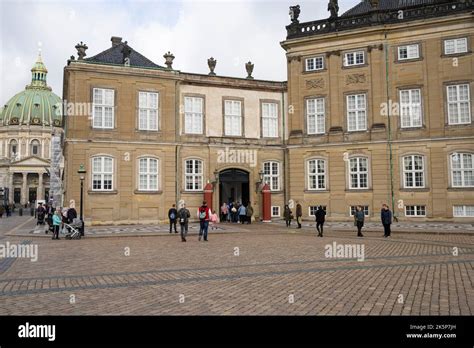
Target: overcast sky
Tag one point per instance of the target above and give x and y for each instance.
(233, 32)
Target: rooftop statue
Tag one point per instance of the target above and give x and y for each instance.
(294, 13)
(333, 7)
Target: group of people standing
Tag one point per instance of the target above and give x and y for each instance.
(182, 216)
(6, 209)
(237, 212)
(55, 218)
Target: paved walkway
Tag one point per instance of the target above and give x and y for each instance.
(262, 269)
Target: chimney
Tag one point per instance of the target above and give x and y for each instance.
(116, 40)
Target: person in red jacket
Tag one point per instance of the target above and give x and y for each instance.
(204, 214)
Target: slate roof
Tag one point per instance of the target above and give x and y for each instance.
(364, 6)
(114, 55)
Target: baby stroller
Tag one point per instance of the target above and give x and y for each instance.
(73, 230)
(40, 215)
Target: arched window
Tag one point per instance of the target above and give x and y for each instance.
(462, 169)
(193, 175)
(35, 148)
(413, 171)
(102, 173)
(316, 171)
(271, 175)
(148, 174)
(13, 148)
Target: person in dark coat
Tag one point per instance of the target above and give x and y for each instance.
(386, 217)
(71, 215)
(320, 218)
(287, 214)
(299, 214)
(359, 217)
(183, 216)
(173, 216)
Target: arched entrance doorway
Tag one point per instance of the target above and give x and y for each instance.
(234, 186)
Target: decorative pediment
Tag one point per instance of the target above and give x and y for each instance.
(31, 161)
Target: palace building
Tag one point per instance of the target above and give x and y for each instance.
(27, 122)
(377, 109)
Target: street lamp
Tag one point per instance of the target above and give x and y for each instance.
(258, 184)
(82, 175)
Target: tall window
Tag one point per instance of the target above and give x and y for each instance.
(459, 104)
(354, 58)
(408, 52)
(148, 111)
(232, 117)
(462, 170)
(270, 120)
(102, 173)
(463, 210)
(193, 175)
(315, 114)
(271, 175)
(148, 174)
(410, 107)
(316, 174)
(13, 148)
(454, 46)
(359, 173)
(35, 148)
(103, 100)
(193, 115)
(413, 171)
(315, 63)
(356, 112)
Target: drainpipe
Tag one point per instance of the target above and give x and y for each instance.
(285, 150)
(389, 138)
(177, 147)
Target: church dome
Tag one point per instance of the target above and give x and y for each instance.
(37, 105)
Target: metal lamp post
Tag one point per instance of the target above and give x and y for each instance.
(82, 174)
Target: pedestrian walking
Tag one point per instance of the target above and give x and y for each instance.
(224, 211)
(173, 215)
(320, 218)
(242, 213)
(249, 213)
(40, 213)
(204, 214)
(2, 210)
(288, 215)
(183, 216)
(299, 214)
(57, 221)
(359, 216)
(386, 217)
(214, 220)
(8, 211)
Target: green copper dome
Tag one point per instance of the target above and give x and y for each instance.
(36, 105)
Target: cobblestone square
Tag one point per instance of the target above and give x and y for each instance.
(258, 269)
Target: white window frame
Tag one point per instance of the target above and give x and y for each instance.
(314, 208)
(195, 177)
(410, 52)
(417, 211)
(457, 102)
(279, 211)
(232, 118)
(270, 176)
(316, 116)
(464, 208)
(193, 115)
(312, 61)
(102, 175)
(354, 55)
(148, 174)
(413, 172)
(269, 120)
(353, 209)
(358, 113)
(105, 93)
(462, 169)
(456, 45)
(145, 105)
(317, 175)
(358, 173)
(409, 110)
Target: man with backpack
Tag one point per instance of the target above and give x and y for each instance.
(173, 215)
(183, 216)
(204, 214)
